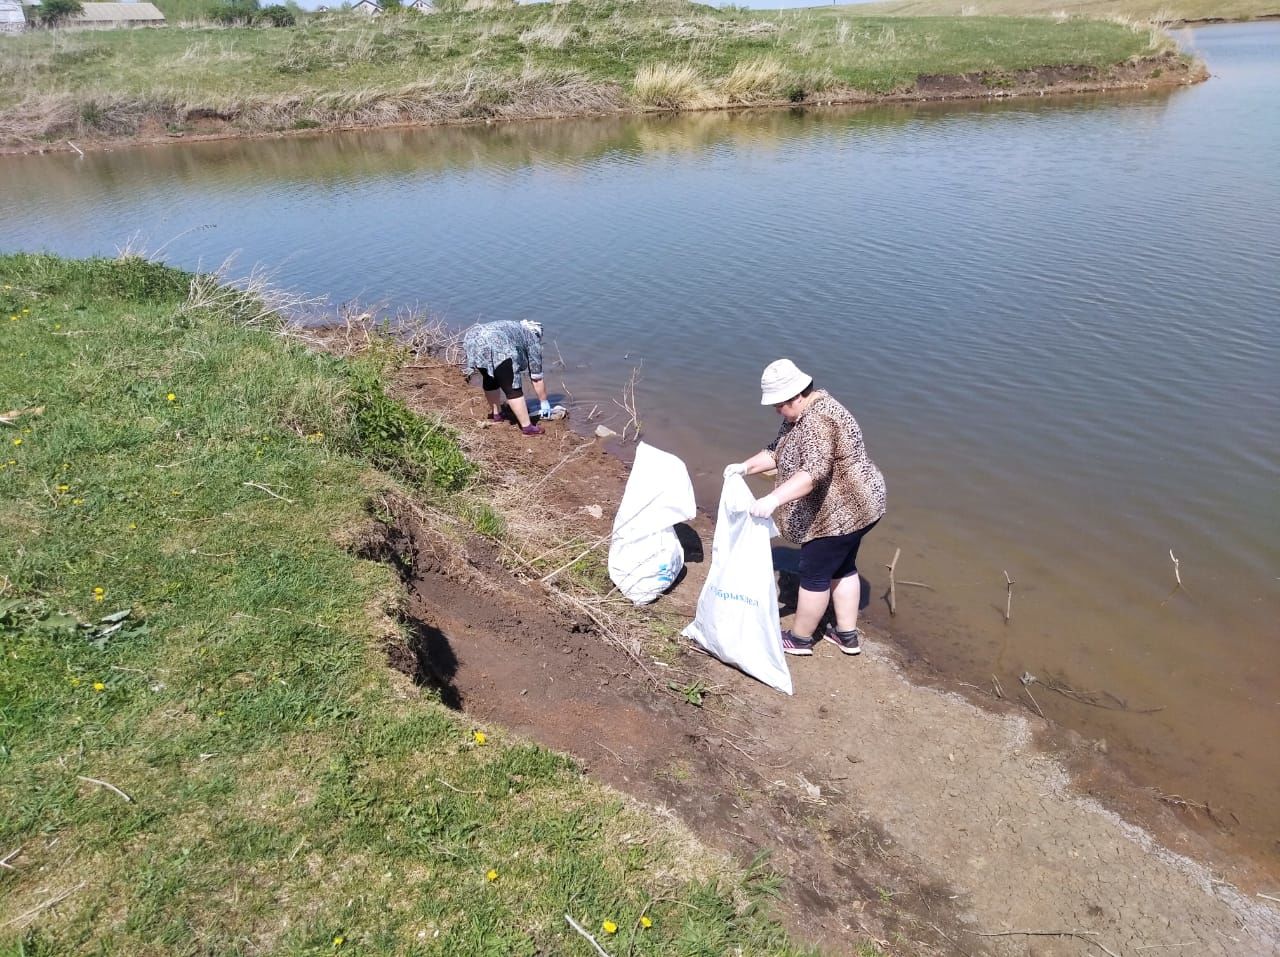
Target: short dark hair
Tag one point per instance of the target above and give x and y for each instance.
(807, 390)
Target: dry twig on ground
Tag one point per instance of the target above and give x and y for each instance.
(1088, 936)
(108, 785)
(55, 899)
(582, 930)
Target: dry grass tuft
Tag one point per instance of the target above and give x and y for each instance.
(547, 35)
(665, 86)
(762, 79)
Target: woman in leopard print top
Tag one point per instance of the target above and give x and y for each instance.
(828, 495)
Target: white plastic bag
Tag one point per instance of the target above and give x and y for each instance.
(645, 555)
(737, 618)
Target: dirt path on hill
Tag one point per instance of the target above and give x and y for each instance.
(895, 811)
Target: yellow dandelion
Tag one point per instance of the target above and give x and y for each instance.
(609, 927)
(99, 594)
(57, 326)
(13, 318)
(25, 311)
(133, 526)
(491, 875)
(63, 488)
(645, 922)
(338, 940)
(77, 501)
(171, 397)
(17, 441)
(99, 686)
(480, 737)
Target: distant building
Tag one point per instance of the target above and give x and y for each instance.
(371, 8)
(12, 17)
(108, 16)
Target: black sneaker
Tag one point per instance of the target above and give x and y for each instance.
(797, 646)
(849, 643)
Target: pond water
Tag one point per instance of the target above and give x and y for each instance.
(1057, 320)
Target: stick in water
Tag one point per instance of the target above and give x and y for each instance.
(1177, 573)
(893, 595)
(1008, 600)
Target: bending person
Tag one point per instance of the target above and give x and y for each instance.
(828, 495)
(501, 352)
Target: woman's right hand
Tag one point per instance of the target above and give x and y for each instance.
(735, 468)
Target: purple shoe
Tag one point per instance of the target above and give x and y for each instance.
(497, 417)
(797, 646)
(533, 429)
(846, 641)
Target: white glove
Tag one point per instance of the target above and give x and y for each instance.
(544, 410)
(735, 468)
(763, 507)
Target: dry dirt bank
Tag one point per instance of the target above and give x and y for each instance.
(141, 122)
(894, 810)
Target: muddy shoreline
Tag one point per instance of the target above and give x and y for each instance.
(896, 803)
(1166, 71)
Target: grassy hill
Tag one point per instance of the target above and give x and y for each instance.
(202, 748)
(569, 59)
(1163, 11)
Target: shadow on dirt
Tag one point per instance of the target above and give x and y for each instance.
(427, 656)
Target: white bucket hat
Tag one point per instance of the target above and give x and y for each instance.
(782, 380)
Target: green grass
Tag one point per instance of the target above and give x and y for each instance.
(579, 57)
(1164, 11)
(288, 796)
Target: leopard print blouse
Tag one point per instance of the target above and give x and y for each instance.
(848, 492)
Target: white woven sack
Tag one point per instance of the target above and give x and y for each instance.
(644, 554)
(737, 618)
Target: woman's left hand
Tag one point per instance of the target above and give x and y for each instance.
(764, 507)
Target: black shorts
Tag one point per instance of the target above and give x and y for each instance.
(824, 560)
(503, 378)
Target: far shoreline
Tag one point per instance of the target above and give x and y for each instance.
(1164, 71)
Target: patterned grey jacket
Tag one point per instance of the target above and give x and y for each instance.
(490, 344)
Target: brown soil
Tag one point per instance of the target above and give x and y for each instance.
(155, 124)
(895, 811)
